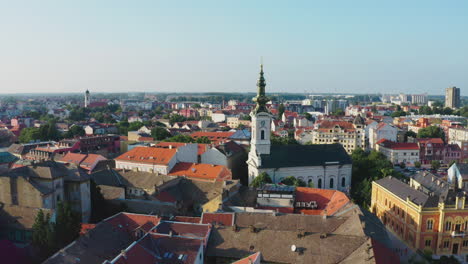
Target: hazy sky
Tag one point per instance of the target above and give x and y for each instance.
(195, 46)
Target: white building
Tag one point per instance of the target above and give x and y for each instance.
(326, 166)
(407, 153)
(382, 131)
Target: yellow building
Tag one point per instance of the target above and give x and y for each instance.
(427, 213)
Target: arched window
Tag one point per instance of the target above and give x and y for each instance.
(343, 182)
(319, 183)
(331, 183)
(262, 134)
(430, 223)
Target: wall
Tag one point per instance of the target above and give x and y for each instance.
(313, 174)
(214, 156)
(188, 153)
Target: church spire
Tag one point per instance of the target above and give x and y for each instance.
(261, 99)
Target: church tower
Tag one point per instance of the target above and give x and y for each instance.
(261, 128)
(86, 99)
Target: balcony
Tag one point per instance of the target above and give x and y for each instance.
(458, 234)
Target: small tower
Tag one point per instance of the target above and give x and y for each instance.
(86, 99)
(261, 119)
(261, 129)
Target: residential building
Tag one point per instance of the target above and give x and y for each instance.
(349, 135)
(419, 99)
(398, 153)
(154, 159)
(216, 138)
(452, 97)
(382, 131)
(43, 185)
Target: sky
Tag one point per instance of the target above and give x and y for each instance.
(215, 46)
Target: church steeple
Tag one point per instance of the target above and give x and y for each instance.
(261, 99)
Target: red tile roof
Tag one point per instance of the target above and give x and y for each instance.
(254, 258)
(128, 222)
(73, 158)
(86, 227)
(149, 155)
(328, 201)
(201, 171)
(188, 219)
(398, 145)
(430, 140)
(226, 219)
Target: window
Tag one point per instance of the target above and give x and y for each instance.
(429, 224)
(343, 182)
(262, 134)
(427, 243)
(465, 243)
(446, 244)
(319, 183)
(331, 183)
(448, 226)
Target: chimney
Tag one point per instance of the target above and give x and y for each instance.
(170, 146)
(123, 253)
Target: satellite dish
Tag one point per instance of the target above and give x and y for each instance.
(293, 248)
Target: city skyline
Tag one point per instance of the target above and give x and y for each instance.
(314, 47)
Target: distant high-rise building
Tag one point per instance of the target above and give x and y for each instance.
(452, 97)
(420, 99)
(86, 99)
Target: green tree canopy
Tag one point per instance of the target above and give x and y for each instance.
(293, 181)
(262, 179)
(431, 132)
(281, 110)
(180, 138)
(160, 133)
(203, 140)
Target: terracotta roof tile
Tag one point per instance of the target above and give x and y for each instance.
(148, 155)
(201, 171)
(226, 219)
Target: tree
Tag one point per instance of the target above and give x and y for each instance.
(431, 132)
(74, 131)
(410, 134)
(43, 235)
(67, 224)
(281, 110)
(159, 133)
(308, 116)
(133, 126)
(368, 167)
(417, 164)
(262, 179)
(293, 181)
(180, 138)
(398, 114)
(176, 118)
(29, 134)
(203, 140)
(435, 164)
(402, 165)
(338, 112)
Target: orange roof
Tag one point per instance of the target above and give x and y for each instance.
(86, 227)
(332, 124)
(73, 158)
(149, 155)
(328, 201)
(90, 160)
(201, 171)
(250, 259)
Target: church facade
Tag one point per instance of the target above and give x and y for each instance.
(326, 166)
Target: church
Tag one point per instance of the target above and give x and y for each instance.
(327, 166)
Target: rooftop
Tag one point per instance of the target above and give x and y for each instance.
(305, 155)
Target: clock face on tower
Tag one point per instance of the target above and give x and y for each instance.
(262, 123)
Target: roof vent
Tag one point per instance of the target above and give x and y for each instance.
(293, 248)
